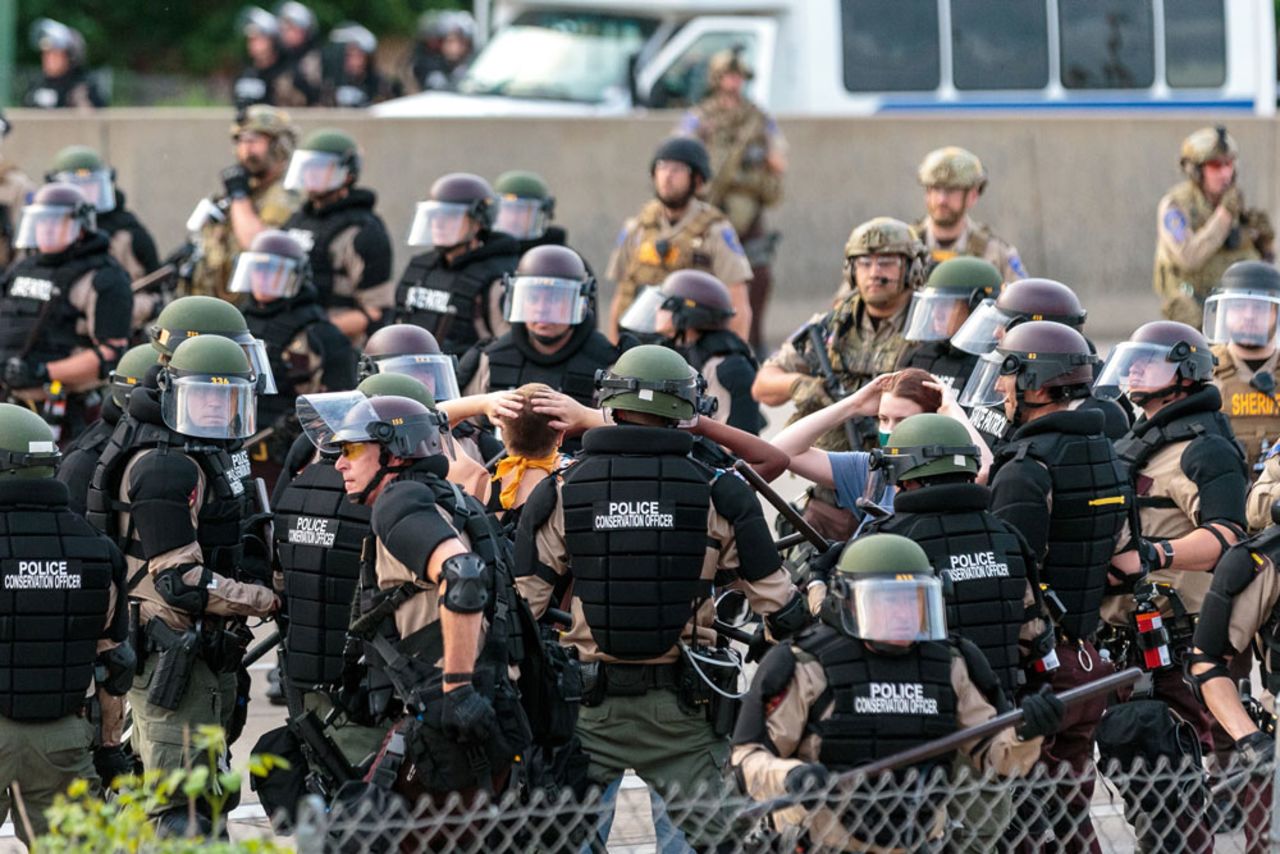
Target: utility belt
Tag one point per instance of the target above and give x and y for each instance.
(705, 678)
(221, 644)
(1150, 640)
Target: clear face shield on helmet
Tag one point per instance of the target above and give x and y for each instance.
(315, 172)
(207, 406)
(538, 299)
(47, 228)
(525, 219)
(334, 419)
(95, 185)
(1240, 317)
(980, 389)
(935, 315)
(983, 330)
(641, 316)
(435, 371)
(440, 224)
(267, 277)
(256, 350)
(1135, 368)
(893, 609)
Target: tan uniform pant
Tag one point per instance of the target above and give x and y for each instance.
(42, 758)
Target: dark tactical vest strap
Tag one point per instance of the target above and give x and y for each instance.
(718, 343)
(320, 231)
(635, 516)
(513, 362)
(278, 329)
(442, 300)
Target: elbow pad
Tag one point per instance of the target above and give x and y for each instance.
(467, 579)
(178, 594)
(790, 618)
(114, 669)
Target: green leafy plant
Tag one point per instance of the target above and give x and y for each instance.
(82, 822)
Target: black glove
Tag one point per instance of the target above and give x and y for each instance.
(113, 761)
(19, 373)
(236, 182)
(809, 783)
(759, 646)
(1042, 714)
(1256, 749)
(468, 716)
(821, 566)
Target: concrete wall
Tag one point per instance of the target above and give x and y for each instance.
(1076, 194)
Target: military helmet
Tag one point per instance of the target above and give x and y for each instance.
(725, 61)
(27, 446)
(525, 204)
(58, 213)
(1245, 307)
(686, 150)
(885, 590)
(131, 370)
(404, 348)
(1205, 144)
(326, 160)
(952, 167)
(928, 445)
(271, 122)
(396, 385)
(273, 267)
(1159, 355)
(884, 235)
(207, 390)
(696, 300)
(651, 379)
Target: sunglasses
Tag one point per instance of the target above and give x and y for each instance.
(352, 450)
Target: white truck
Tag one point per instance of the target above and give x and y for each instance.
(862, 57)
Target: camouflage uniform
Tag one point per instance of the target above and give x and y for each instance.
(15, 187)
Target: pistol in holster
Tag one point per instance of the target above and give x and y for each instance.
(178, 650)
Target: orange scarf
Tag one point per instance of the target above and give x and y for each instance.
(520, 465)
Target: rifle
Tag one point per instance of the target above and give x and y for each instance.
(948, 743)
(831, 381)
(728, 170)
(780, 504)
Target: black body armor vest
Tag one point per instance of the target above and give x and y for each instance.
(316, 230)
(35, 306)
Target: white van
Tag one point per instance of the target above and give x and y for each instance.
(861, 57)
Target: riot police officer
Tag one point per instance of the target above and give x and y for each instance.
(308, 354)
(347, 242)
(1059, 483)
(63, 80)
(862, 337)
(74, 581)
(1189, 476)
(1241, 323)
(882, 626)
(432, 587)
(271, 77)
(354, 80)
(526, 208)
(66, 311)
(553, 337)
(131, 242)
(252, 198)
(953, 179)
(655, 680)
(300, 41)
(1203, 226)
(676, 230)
(82, 454)
(953, 290)
(691, 311)
(176, 507)
(449, 289)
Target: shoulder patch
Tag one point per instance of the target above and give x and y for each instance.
(1015, 264)
(1175, 222)
(731, 239)
(688, 124)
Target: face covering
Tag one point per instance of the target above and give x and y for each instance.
(884, 439)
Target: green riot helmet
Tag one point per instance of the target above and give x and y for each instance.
(325, 161)
(525, 205)
(396, 385)
(188, 317)
(56, 217)
(403, 348)
(84, 168)
(654, 380)
(1243, 309)
(884, 590)
(457, 201)
(27, 447)
(207, 390)
(926, 446)
(955, 288)
(1159, 358)
(273, 267)
(131, 370)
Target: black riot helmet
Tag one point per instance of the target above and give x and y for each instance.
(686, 150)
(1018, 302)
(1041, 355)
(404, 348)
(1160, 358)
(1243, 309)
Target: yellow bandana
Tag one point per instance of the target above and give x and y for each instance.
(520, 465)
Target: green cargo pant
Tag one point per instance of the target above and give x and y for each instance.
(669, 748)
(42, 758)
(983, 811)
(158, 733)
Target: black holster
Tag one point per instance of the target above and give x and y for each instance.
(695, 692)
(178, 652)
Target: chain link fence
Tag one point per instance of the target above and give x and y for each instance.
(1148, 809)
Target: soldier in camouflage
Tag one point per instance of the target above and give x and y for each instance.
(1203, 226)
(748, 159)
(15, 187)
